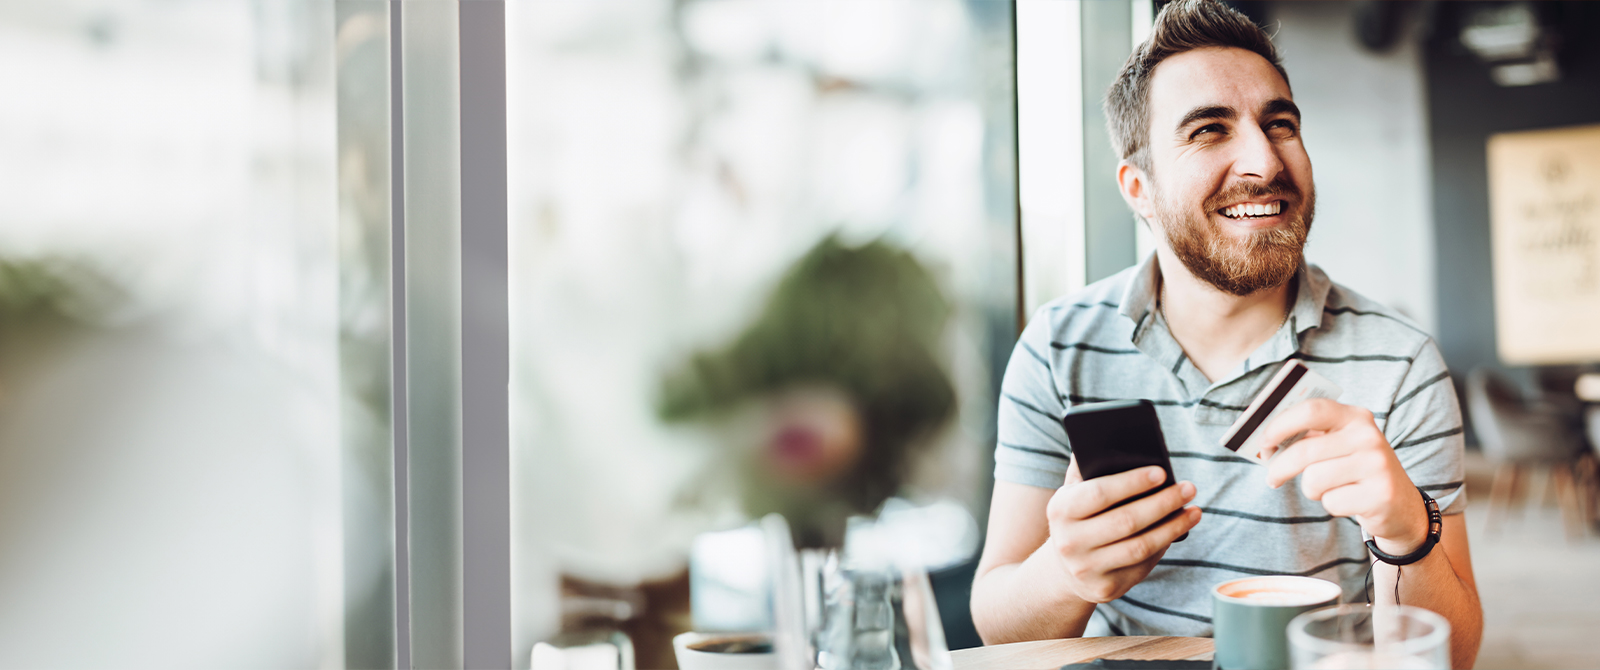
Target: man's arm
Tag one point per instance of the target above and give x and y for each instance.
(1051, 555)
(1347, 464)
(1017, 594)
(1442, 582)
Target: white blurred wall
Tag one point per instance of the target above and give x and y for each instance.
(1366, 130)
(170, 465)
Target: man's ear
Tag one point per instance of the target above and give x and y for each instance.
(1136, 191)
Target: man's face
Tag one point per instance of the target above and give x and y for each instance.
(1230, 181)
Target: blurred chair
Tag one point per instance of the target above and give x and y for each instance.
(1589, 468)
(1518, 434)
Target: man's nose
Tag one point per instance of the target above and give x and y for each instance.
(1257, 156)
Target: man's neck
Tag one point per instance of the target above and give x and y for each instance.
(1217, 330)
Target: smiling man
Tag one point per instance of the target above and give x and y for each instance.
(1212, 161)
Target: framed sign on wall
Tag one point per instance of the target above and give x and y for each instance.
(1544, 212)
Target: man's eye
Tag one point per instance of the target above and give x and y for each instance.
(1203, 131)
(1282, 128)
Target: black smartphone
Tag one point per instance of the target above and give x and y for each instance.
(1118, 436)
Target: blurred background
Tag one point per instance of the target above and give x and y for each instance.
(670, 163)
(761, 255)
(175, 385)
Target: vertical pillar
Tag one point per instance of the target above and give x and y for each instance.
(1108, 225)
(486, 344)
(433, 331)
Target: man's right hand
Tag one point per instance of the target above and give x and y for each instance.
(1104, 552)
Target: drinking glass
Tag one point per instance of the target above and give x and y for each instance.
(1361, 636)
(597, 649)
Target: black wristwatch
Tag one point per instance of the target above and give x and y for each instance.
(1435, 524)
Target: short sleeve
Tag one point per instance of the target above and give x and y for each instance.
(1424, 426)
(1032, 447)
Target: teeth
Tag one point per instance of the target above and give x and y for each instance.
(1250, 209)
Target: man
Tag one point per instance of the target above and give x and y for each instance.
(1212, 161)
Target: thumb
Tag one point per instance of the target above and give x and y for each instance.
(1073, 476)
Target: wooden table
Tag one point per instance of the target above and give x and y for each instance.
(1052, 654)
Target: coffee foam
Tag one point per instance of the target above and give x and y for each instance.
(1281, 597)
(1280, 591)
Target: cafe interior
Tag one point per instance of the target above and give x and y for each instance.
(669, 333)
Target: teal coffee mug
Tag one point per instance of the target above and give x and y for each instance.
(1251, 617)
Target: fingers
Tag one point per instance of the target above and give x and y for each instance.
(1319, 414)
(1357, 434)
(1108, 572)
(1323, 476)
(1294, 460)
(1151, 543)
(1073, 476)
(1104, 552)
(1096, 495)
(1352, 500)
(1128, 520)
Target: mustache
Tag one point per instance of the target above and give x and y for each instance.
(1280, 186)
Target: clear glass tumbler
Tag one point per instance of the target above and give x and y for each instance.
(1361, 636)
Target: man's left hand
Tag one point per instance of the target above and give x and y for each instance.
(1346, 463)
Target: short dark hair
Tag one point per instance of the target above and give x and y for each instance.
(1184, 25)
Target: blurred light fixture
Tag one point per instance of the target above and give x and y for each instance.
(1377, 24)
(1509, 38)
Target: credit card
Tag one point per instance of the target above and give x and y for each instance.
(1294, 383)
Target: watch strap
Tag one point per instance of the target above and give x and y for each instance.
(1435, 526)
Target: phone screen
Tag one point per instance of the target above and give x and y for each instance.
(1112, 437)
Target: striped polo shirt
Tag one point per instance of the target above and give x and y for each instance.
(1109, 342)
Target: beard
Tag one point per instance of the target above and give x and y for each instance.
(1240, 266)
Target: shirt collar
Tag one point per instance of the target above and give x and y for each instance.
(1312, 297)
(1139, 296)
(1139, 304)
